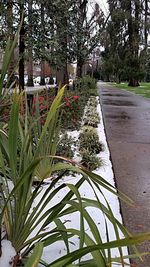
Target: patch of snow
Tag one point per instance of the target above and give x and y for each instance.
(8, 252)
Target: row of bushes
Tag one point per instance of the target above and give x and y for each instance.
(89, 143)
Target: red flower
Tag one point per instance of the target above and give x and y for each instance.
(41, 99)
(42, 121)
(68, 104)
(41, 107)
(66, 98)
(75, 97)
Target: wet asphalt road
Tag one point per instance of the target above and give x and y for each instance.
(127, 125)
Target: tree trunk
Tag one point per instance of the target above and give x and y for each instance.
(62, 76)
(62, 71)
(82, 17)
(0, 241)
(30, 71)
(146, 30)
(42, 81)
(146, 25)
(134, 39)
(79, 68)
(30, 46)
(21, 50)
(133, 83)
(21, 55)
(9, 18)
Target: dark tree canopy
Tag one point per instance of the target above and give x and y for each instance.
(63, 32)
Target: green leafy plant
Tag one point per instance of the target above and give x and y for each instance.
(92, 102)
(91, 116)
(65, 146)
(6, 60)
(87, 82)
(90, 160)
(92, 119)
(89, 139)
(70, 114)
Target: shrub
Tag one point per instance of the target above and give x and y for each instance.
(64, 147)
(89, 140)
(91, 116)
(92, 101)
(89, 160)
(87, 82)
(92, 119)
(71, 112)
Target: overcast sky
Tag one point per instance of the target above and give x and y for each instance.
(103, 5)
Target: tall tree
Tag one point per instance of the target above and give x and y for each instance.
(21, 46)
(30, 44)
(42, 59)
(10, 34)
(115, 42)
(133, 19)
(125, 34)
(89, 31)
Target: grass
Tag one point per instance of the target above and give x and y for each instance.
(143, 89)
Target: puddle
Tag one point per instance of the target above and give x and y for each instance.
(118, 103)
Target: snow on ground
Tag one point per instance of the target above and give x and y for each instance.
(8, 252)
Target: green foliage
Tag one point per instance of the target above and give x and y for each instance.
(72, 109)
(7, 59)
(123, 58)
(143, 89)
(91, 116)
(89, 140)
(34, 259)
(90, 160)
(92, 102)
(87, 82)
(65, 146)
(91, 119)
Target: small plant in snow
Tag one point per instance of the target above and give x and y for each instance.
(90, 160)
(92, 102)
(65, 146)
(89, 139)
(92, 120)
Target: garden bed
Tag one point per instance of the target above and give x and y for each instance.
(73, 221)
(82, 212)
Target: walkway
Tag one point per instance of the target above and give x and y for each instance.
(127, 124)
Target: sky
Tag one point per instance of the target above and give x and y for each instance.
(102, 3)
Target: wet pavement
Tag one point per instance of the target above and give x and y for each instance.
(127, 125)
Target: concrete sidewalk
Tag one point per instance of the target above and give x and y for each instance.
(127, 125)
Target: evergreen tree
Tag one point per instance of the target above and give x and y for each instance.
(127, 28)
